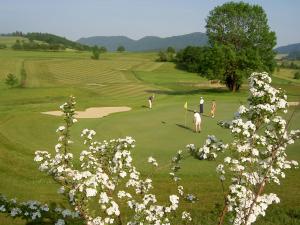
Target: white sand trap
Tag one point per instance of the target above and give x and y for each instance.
(293, 103)
(94, 112)
(95, 84)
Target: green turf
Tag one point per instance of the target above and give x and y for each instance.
(121, 79)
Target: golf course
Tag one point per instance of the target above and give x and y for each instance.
(126, 80)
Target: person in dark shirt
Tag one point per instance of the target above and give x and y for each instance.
(201, 105)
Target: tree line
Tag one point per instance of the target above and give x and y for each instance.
(55, 40)
(33, 45)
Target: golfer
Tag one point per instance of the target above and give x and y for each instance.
(150, 101)
(213, 109)
(197, 121)
(201, 105)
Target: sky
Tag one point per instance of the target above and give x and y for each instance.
(74, 19)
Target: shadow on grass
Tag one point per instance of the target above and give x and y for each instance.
(190, 92)
(184, 127)
(202, 115)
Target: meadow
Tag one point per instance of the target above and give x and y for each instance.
(124, 79)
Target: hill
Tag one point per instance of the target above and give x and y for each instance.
(52, 39)
(148, 43)
(288, 48)
(39, 41)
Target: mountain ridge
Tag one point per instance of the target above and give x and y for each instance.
(146, 43)
(286, 49)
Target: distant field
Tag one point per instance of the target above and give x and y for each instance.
(287, 74)
(123, 79)
(9, 41)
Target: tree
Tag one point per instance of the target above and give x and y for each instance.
(167, 56)
(162, 56)
(96, 52)
(171, 50)
(23, 76)
(17, 45)
(11, 80)
(240, 33)
(297, 75)
(193, 59)
(121, 48)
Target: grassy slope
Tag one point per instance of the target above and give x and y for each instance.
(116, 80)
(9, 41)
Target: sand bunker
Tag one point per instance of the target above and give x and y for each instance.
(94, 112)
(293, 103)
(95, 84)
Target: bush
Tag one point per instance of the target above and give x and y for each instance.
(297, 75)
(121, 49)
(96, 53)
(11, 80)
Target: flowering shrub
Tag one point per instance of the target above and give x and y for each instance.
(35, 211)
(106, 176)
(256, 155)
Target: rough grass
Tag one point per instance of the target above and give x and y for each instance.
(125, 79)
(9, 41)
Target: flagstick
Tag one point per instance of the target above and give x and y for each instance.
(185, 118)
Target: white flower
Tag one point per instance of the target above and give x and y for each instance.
(255, 152)
(2, 208)
(90, 192)
(174, 199)
(61, 190)
(103, 198)
(122, 174)
(60, 128)
(186, 216)
(15, 211)
(227, 159)
(152, 161)
(38, 158)
(60, 222)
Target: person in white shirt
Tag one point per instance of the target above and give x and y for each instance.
(201, 105)
(150, 101)
(197, 121)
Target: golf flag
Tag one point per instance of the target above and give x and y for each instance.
(185, 105)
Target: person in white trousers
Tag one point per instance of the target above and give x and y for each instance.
(197, 121)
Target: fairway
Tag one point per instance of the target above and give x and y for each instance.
(116, 80)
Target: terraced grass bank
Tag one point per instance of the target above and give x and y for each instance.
(120, 79)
